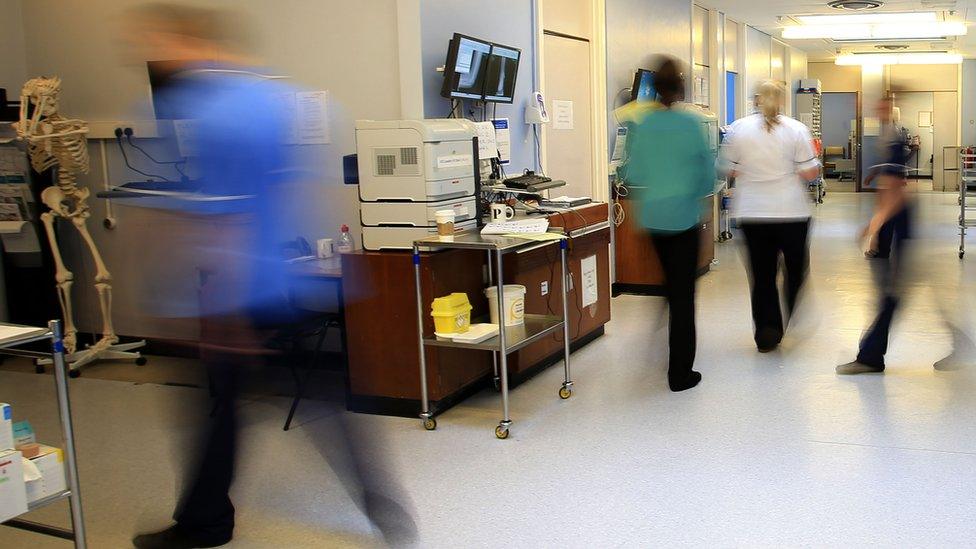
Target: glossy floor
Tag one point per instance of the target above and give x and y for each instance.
(771, 450)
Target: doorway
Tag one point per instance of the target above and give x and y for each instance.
(841, 138)
(930, 120)
(567, 76)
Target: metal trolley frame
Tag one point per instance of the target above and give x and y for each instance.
(509, 338)
(73, 493)
(967, 190)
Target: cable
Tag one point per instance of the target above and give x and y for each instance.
(538, 149)
(125, 157)
(175, 163)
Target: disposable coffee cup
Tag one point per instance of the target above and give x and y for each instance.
(445, 222)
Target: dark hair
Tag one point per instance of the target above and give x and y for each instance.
(669, 83)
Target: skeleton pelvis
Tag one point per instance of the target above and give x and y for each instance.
(64, 203)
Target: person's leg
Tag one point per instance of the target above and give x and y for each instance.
(887, 267)
(763, 250)
(206, 508)
(679, 259)
(796, 258)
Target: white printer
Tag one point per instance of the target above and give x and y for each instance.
(409, 169)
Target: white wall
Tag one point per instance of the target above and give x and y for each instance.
(348, 48)
(13, 70)
(757, 63)
(967, 91)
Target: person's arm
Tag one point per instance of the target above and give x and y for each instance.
(807, 163)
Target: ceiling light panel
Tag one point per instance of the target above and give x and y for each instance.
(900, 59)
(876, 31)
(867, 18)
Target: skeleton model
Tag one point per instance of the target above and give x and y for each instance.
(54, 141)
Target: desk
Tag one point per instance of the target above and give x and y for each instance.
(327, 269)
(638, 269)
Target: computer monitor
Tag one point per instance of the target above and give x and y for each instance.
(643, 89)
(503, 64)
(465, 69)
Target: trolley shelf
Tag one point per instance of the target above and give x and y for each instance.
(48, 500)
(535, 328)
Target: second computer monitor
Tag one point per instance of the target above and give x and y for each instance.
(503, 64)
(643, 89)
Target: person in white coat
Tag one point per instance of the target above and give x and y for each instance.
(772, 158)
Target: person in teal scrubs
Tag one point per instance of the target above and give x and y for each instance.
(671, 169)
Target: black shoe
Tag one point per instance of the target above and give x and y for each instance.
(689, 381)
(768, 339)
(175, 537)
(854, 368)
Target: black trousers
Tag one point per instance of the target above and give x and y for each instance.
(205, 507)
(678, 254)
(765, 243)
(887, 267)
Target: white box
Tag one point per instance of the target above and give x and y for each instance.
(6, 427)
(50, 463)
(13, 493)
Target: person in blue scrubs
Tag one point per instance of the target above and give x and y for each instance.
(246, 173)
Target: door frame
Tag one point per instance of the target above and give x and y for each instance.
(600, 152)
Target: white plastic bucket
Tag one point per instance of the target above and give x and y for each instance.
(514, 304)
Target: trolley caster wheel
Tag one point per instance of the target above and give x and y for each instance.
(565, 393)
(961, 254)
(141, 361)
(497, 384)
(430, 424)
(501, 432)
(39, 369)
(74, 373)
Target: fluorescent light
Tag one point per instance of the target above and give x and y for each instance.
(878, 31)
(867, 18)
(938, 58)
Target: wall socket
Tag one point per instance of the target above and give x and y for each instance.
(545, 287)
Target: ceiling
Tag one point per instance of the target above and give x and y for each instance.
(771, 16)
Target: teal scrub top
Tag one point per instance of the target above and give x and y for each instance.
(669, 168)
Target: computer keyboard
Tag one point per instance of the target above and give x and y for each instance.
(526, 181)
(527, 226)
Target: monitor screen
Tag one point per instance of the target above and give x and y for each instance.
(503, 66)
(643, 89)
(467, 63)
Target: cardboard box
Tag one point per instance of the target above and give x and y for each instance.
(50, 463)
(6, 427)
(13, 494)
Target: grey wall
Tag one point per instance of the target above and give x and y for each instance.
(13, 56)
(507, 22)
(636, 31)
(349, 48)
(838, 111)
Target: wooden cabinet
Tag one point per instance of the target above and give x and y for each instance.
(381, 329)
(637, 267)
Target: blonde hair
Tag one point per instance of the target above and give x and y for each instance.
(769, 99)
